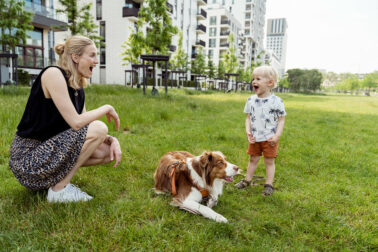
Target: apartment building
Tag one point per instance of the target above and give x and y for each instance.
(277, 40)
(251, 15)
(38, 52)
(117, 19)
(221, 23)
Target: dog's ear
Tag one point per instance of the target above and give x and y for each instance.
(206, 159)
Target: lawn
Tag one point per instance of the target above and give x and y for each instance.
(326, 178)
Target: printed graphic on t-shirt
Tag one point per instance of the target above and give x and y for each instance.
(264, 113)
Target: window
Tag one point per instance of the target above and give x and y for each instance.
(102, 30)
(212, 43)
(102, 56)
(31, 54)
(213, 32)
(213, 20)
(211, 54)
(223, 2)
(214, 1)
(35, 38)
(99, 9)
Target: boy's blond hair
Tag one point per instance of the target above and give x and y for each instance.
(269, 72)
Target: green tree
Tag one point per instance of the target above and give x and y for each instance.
(198, 64)
(14, 24)
(283, 83)
(221, 70)
(180, 58)
(210, 67)
(153, 15)
(370, 81)
(230, 59)
(80, 20)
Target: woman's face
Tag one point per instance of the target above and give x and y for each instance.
(87, 61)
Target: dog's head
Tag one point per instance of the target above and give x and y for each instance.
(215, 166)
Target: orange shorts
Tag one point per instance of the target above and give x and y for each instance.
(265, 148)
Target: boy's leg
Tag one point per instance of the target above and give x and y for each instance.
(270, 170)
(252, 165)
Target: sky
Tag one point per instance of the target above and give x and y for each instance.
(335, 35)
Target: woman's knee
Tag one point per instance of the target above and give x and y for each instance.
(97, 129)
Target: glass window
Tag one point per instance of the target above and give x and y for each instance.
(212, 43)
(99, 9)
(35, 38)
(102, 29)
(211, 54)
(213, 32)
(213, 20)
(102, 56)
(214, 1)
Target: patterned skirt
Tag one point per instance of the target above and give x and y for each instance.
(39, 165)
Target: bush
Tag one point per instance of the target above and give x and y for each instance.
(23, 77)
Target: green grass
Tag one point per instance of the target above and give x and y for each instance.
(326, 178)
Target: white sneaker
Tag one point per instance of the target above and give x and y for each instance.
(70, 193)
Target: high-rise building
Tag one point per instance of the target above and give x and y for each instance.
(221, 23)
(277, 40)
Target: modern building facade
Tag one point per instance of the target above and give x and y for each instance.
(221, 23)
(250, 14)
(277, 40)
(38, 52)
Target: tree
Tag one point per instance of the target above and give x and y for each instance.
(221, 70)
(198, 64)
(230, 59)
(370, 81)
(153, 15)
(180, 58)
(304, 80)
(210, 67)
(14, 24)
(80, 20)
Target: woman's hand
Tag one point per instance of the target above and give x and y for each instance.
(113, 114)
(115, 151)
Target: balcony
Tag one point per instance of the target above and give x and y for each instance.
(201, 29)
(200, 43)
(169, 7)
(47, 18)
(172, 48)
(201, 14)
(225, 33)
(201, 2)
(130, 13)
(194, 55)
(225, 22)
(224, 44)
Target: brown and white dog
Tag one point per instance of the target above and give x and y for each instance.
(192, 180)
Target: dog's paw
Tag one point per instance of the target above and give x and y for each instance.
(220, 218)
(211, 203)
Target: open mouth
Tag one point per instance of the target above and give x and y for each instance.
(91, 69)
(255, 87)
(229, 179)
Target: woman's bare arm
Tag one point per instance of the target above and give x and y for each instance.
(55, 87)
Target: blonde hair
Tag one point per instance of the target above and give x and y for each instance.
(269, 72)
(73, 45)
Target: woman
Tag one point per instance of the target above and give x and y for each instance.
(56, 135)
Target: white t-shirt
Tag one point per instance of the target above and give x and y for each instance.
(264, 113)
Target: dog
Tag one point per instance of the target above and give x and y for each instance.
(193, 180)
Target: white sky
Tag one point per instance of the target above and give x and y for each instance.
(335, 35)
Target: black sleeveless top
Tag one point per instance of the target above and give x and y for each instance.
(41, 119)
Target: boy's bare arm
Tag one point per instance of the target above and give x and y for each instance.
(248, 127)
(274, 139)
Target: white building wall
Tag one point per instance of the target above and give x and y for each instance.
(277, 40)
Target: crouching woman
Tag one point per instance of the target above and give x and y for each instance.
(56, 135)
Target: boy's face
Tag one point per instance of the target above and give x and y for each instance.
(261, 84)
